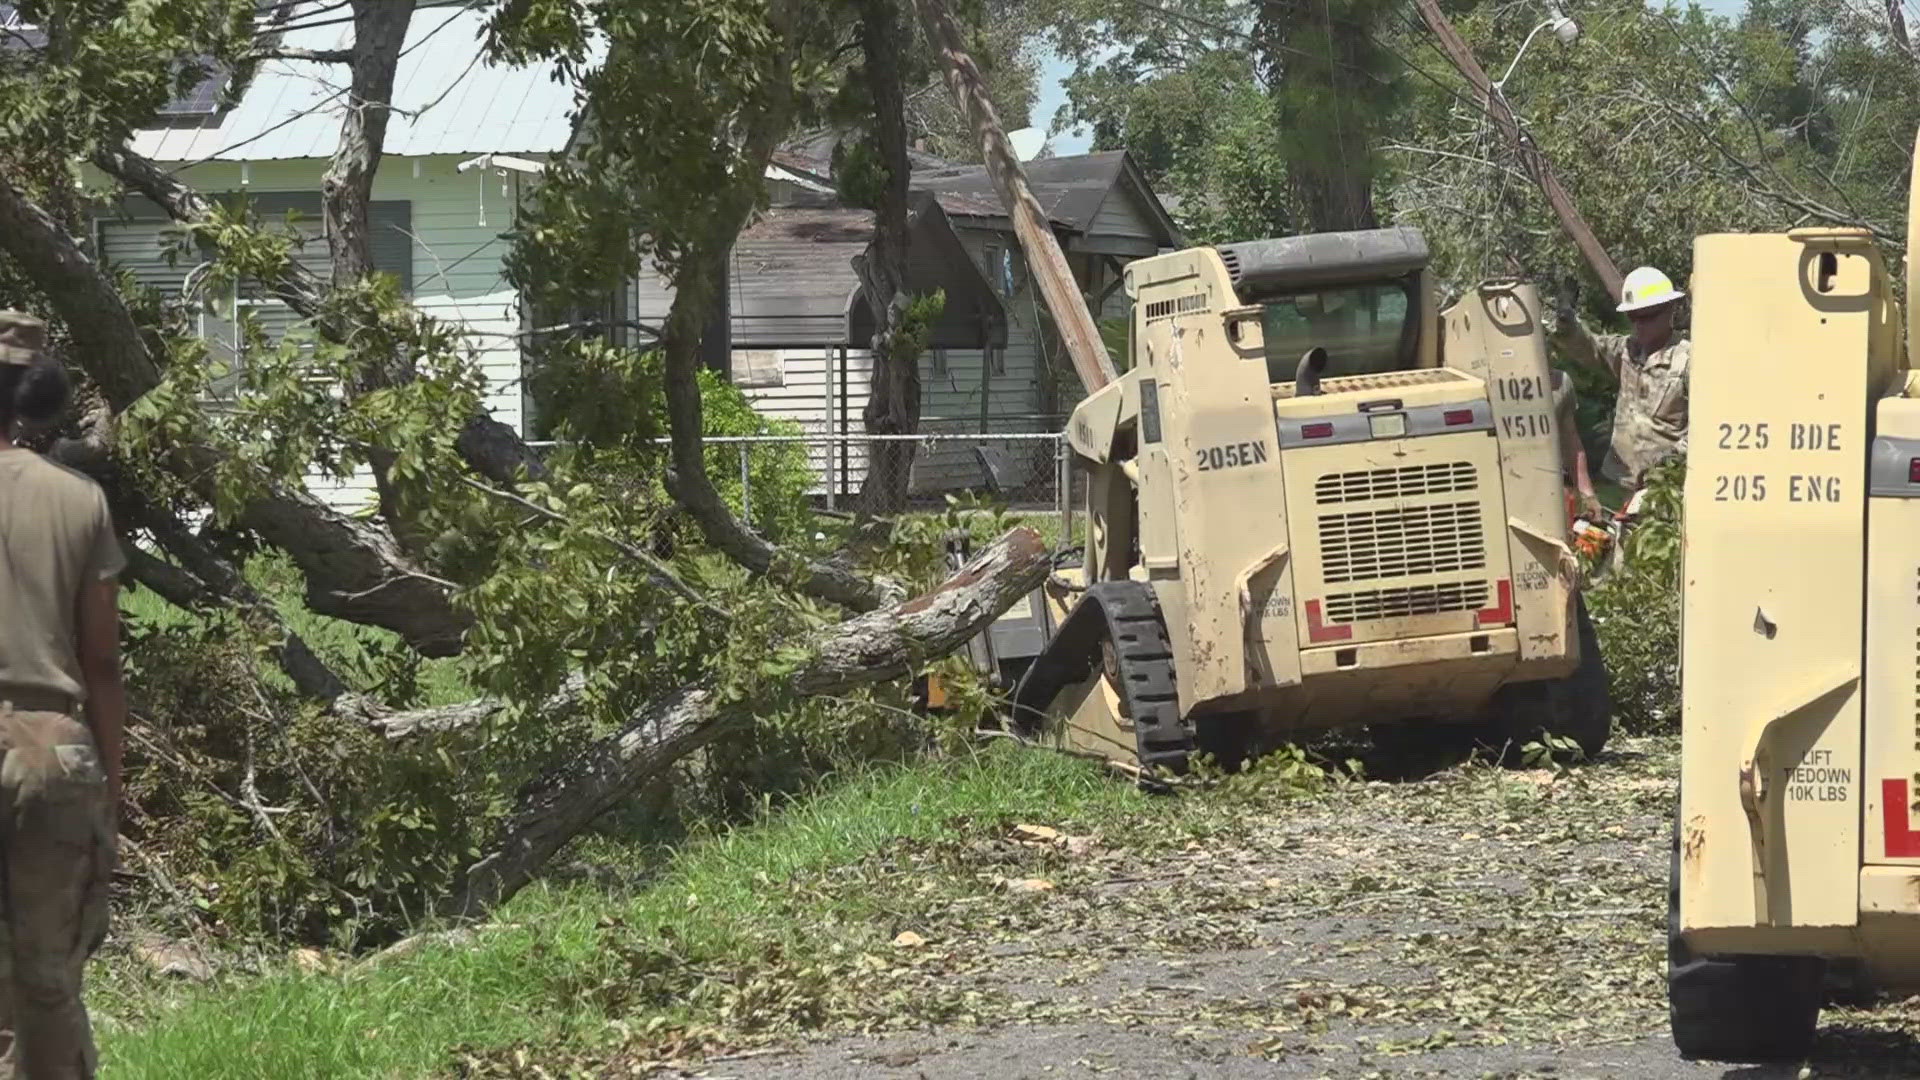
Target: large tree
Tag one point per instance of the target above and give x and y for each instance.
(610, 638)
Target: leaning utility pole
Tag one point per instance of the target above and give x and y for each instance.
(1050, 270)
(1531, 158)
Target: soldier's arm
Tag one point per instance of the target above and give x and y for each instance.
(100, 668)
(1601, 352)
(98, 625)
(1571, 448)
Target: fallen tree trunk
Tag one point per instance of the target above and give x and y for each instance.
(884, 644)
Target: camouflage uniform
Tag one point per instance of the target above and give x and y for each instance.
(1650, 413)
(1564, 416)
(57, 838)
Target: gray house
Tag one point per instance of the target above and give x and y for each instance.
(797, 327)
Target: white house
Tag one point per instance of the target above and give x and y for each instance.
(464, 140)
(467, 139)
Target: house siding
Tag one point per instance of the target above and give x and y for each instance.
(457, 265)
(1122, 215)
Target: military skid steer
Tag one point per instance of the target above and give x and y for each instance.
(1314, 499)
(1796, 848)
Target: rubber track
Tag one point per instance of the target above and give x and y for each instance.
(1127, 614)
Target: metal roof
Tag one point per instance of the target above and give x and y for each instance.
(448, 99)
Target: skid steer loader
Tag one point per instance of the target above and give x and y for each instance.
(1796, 846)
(1313, 499)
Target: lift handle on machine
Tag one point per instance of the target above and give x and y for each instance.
(1243, 583)
(1757, 787)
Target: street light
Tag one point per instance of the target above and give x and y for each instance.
(1563, 28)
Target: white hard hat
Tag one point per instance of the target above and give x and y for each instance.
(1645, 288)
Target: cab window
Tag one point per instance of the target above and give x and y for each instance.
(1365, 329)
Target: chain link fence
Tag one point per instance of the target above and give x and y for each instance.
(1025, 471)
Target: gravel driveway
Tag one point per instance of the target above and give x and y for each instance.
(1476, 923)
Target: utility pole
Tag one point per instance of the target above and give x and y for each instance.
(1531, 159)
(1049, 264)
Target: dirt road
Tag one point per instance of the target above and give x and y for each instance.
(1478, 923)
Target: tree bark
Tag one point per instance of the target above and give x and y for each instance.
(893, 400)
(870, 648)
(695, 288)
(1335, 197)
(346, 206)
(1051, 272)
(346, 191)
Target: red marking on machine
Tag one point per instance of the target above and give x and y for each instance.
(1903, 840)
(1317, 630)
(1501, 613)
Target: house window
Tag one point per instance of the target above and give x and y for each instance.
(1003, 269)
(147, 243)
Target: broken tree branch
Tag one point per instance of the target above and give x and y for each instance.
(658, 571)
(696, 288)
(316, 56)
(490, 447)
(870, 648)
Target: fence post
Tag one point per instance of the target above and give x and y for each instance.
(746, 486)
(1063, 488)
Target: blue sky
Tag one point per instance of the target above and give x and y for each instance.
(1053, 94)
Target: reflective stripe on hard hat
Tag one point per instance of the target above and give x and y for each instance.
(1645, 288)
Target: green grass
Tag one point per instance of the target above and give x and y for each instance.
(722, 900)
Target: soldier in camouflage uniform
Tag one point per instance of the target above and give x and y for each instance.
(1573, 453)
(1650, 364)
(62, 709)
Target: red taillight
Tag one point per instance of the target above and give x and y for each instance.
(1913, 471)
(1316, 431)
(1456, 417)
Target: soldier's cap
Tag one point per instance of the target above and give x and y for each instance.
(23, 338)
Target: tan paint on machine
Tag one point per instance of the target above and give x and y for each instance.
(1235, 542)
(1792, 341)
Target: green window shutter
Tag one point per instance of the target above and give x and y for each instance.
(392, 224)
(274, 206)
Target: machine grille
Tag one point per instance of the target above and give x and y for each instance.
(1179, 305)
(1439, 478)
(1371, 604)
(1401, 542)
